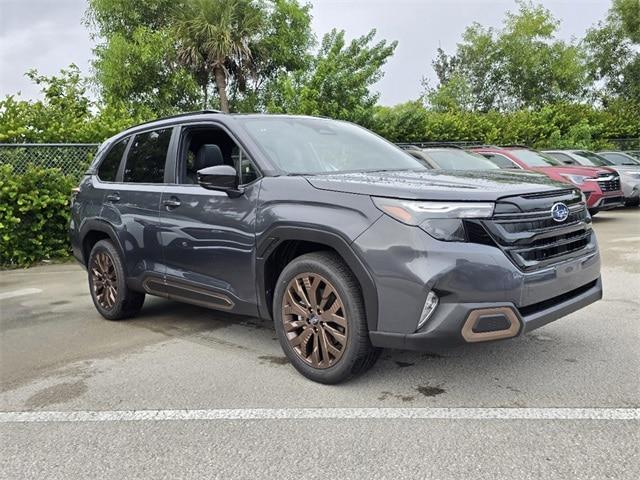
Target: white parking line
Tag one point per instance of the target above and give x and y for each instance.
(627, 239)
(19, 293)
(324, 414)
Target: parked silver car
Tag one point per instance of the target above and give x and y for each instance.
(621, 158)
(628, 169)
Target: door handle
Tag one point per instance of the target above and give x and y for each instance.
(113, 197)
(172, 202)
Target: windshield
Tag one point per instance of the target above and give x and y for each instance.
(304, 145)
(619, 158)
(460, 160)
(534, 159)
(593, 159)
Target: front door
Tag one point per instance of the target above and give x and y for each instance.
(207, 236)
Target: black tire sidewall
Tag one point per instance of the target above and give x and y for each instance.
(115, 313)
(352, 301)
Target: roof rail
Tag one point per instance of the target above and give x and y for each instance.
(485, 146)
(430, 145)
(514, 145)
(178, 115)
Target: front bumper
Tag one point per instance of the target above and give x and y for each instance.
(598, 200)
(630, 188)
(608, 202)
(466, 277)
(448, 332)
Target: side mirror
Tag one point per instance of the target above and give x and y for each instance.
(568, 162)
(223, 178)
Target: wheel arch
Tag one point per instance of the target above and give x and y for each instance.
(282, 244)
(94, 230)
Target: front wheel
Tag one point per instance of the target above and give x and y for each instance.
(320, 319)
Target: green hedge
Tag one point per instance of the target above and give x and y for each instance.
(34, 215)
(553, 126)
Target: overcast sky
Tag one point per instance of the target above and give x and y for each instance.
(49, 34)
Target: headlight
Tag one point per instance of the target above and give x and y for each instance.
(441, 220)
(577, 179)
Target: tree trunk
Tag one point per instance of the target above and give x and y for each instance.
(205, 93)
(221, 84)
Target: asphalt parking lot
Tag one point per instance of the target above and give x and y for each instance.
(185, 392)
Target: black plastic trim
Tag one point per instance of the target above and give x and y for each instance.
(273, 237)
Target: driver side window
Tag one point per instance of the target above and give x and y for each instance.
(206, 146)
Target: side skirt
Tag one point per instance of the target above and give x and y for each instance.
(188, 293)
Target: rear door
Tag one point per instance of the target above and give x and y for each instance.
(132, 203)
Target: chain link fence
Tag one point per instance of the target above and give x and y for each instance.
(71, 158)
(625, 144)
(74, 158)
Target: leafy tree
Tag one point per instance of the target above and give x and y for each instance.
(64, 114)
(628, 13)
(444, 65)
(143, 71)
(454, 94)
(216, 35)
(613, 48)
(338, 80)
(109, 17)
(161, 55)
(521, 65)
(284, 46)
(135, 59)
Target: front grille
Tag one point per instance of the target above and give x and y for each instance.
(543, 222)
(533, 239)
(609, 182)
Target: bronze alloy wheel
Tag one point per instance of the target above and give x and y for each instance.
(314, 320)
(104, 279)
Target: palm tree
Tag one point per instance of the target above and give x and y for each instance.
(215, 34)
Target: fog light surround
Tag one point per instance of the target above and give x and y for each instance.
(430, 305)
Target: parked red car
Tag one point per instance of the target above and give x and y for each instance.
(600, 185)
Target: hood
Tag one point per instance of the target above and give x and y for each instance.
(574, 170)
(473, 185)
(625, 168)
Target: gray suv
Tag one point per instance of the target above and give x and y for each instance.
(346, 242)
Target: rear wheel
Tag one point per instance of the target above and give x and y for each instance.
(320, 319)
(111, 296)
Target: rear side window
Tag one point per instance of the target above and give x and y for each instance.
(563, 157)
(108, 168)
(500, 160)
(147, 156)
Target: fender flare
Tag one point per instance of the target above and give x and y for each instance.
(98, 225)
(272, 238)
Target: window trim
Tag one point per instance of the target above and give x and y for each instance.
(120, 175)
(177, 151)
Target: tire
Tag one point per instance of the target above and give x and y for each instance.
(593, 212)
(334, 362)
(112, 298)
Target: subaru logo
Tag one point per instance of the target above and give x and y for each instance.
(560, 212)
